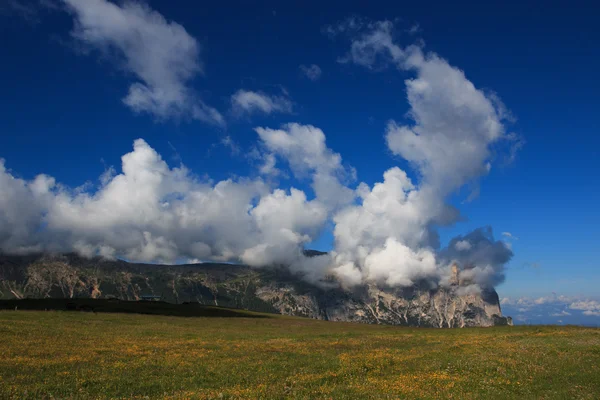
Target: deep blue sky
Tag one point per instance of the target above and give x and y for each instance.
(62, 112)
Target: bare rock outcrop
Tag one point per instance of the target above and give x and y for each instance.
(273, 290)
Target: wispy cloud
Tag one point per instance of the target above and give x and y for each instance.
(26, 10)
(29, 10)
(572, 309)
(246, 102)
(312, 72)
(589, 307)
(161, 54)
(414, 29)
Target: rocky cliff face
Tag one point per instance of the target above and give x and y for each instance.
(268, 290)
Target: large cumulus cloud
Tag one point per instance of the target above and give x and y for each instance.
(451, 130)
(384, 233)
(151, 212)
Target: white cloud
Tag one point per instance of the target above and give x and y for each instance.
(589, 307)
(249, 102)
(303, 146)
(384, 233)
(462, 245)
(351, 24)
(454, 127)
(268, 166)
(528, 302)
(228, 142)
(152, 212)
(305, 149)
(397, 265)
(592, 313)
(390, 209)
(21, 209)
(160, 54)
(560, 314)
(312, 72)
(375, 48)
(455, 124)
(285, 223)
(414, 29)
(509, 236)
(555, 306)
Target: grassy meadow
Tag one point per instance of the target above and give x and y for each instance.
(78, 355)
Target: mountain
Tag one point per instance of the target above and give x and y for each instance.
(273, 290)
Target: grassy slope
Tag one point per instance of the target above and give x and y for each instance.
(86, 355)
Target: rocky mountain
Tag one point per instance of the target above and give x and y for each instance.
(272, 290)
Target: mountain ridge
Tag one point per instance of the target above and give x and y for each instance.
(273, 289)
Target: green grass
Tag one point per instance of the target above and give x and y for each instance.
(77, 355)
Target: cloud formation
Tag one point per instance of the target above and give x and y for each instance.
(312, 72)
(481, 257)
(589, 307)
(160, 54)
(384, 234)
(454, 125)
(304, 148)
(246, 102)
(151, 212)
(572, 310)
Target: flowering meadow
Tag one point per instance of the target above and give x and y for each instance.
(77, 355)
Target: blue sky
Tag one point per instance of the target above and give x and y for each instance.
(64, 115)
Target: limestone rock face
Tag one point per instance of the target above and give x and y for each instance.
(266, 290)
(441, 308)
